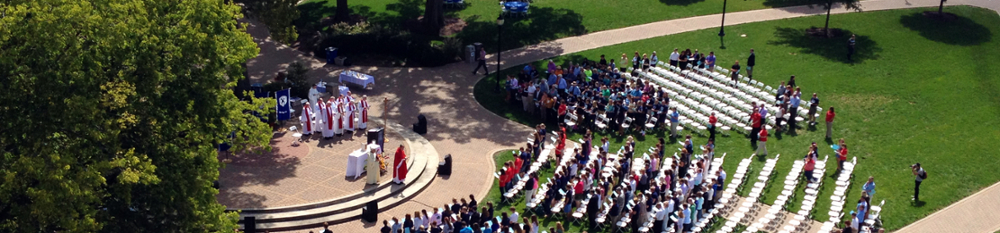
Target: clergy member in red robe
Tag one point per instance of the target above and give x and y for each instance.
(399, 172)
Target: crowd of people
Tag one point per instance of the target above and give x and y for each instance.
(674, 194)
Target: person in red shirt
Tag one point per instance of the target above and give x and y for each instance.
(755, 127)
(561, 111)
(841, 155)
(762, 145)
(829, 122)
(504, 177)
(809, 167)
(711, 126)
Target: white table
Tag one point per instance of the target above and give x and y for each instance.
(356, 163)
(355, 77)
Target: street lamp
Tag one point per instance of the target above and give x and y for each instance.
(722, 30)
(499, 30)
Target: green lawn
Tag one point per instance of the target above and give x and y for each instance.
(919, 90)
(547, 20)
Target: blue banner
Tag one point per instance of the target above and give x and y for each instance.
(284, 104)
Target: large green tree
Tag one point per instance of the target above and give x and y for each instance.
(111, 112)
(854, 5)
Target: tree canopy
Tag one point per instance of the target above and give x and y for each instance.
(111, 112)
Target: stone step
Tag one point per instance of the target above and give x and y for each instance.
(424, 170)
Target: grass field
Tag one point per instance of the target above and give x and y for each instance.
(919, 90)
(547, 20)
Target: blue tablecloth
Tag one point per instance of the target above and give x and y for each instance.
(516, 6)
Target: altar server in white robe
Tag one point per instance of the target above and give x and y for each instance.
(307, 120)
(363, 107)
(337, 111)
(313, 98)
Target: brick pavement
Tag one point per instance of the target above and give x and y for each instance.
(459, 126)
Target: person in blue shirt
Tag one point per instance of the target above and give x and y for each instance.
(794, 110)
(869, 188)
(575, 90)
(674, 120)
(552, 79)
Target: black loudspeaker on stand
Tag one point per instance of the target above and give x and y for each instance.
(444, 168)
(249, 224)
(370, 212)
(377, 135)
(421, 126)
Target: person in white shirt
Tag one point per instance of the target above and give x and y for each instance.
(425, 218)
(674, 56)
(514, 216)
(418, 220)
(436, 218)
(661, 214)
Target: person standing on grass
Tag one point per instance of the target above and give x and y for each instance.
(813, 104)
(711, 126)
(919, 176)
(482, 62)
(841, 155)
(735, 72)
(674, 120)
(780, 92)
(710, 61)
(762, 144)
(793, 111)
(850, 47)
(829, 122)
(751, 61)
(869, 188)
(755, 127)
(674, 56)
(810, 165)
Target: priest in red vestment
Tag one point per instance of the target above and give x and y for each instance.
(399, 172)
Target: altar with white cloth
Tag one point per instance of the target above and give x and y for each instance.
(356, 163)
(358, 78)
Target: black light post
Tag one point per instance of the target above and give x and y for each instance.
(499, 31)
(722, 30)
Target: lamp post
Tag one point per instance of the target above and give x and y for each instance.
(722, 29)
(499, 30)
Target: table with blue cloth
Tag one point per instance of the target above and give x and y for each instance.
(516, 7)
(360, 79)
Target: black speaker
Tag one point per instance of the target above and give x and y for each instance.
(250, 224)
(421, 126)
(444, 168)
(377, 135)
(370, 212)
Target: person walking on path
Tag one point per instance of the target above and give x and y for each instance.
(751, 61)
(482, 62)
(829, 122)
(850, 47)
(919, 176)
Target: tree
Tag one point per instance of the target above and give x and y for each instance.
(297, 79)
(848, 4)
(343, 14)
(433, 16)
(111, 112)
(278, 15)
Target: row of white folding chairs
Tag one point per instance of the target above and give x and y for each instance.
(540, 194)
(771, 220)
(728, 116)
(746, 210)
(800, 222)
(688, 107)
(839, 197)
(761, 99)
(755, 88)
(766, 94)
(730, 193)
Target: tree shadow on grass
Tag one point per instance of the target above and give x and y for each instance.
(960, 31)
(542, 24)
(680, 2)
(834, 49)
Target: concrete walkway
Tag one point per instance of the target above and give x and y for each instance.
(979, 212)
(459, 126)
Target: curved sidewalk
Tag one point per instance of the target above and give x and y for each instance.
(459, 126)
